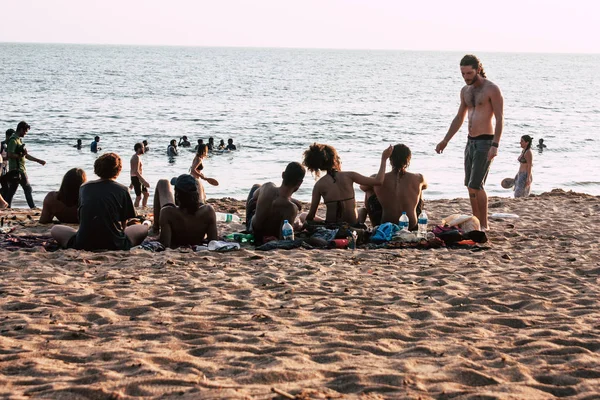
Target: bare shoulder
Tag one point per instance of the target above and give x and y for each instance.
(51, 197)
(492, 88)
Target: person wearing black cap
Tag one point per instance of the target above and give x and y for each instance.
(181, 217)
(17, 173)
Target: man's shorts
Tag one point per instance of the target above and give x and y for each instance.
(137, 186)
(477, 165)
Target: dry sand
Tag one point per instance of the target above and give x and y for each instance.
(518, 321)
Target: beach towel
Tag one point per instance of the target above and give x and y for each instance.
(384, 232)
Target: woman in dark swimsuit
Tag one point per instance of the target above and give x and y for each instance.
(337, 186)
(524, 178)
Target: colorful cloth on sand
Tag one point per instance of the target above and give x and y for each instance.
(13, 243)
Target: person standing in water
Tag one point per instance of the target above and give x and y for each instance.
(140, 185)
(524, 177)
(481, 100)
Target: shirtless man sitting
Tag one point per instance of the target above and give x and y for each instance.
(401, 190)
(182, 219)
(268, 205)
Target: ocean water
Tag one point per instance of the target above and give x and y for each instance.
(275, 102)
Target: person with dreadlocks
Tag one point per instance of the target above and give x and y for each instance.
(337, 186)
(524, 178)
(401, 191)
(481, 100)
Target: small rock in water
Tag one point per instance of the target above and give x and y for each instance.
(506, 257)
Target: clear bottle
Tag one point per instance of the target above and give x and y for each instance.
(403, 224)
(287, 231)
(225, 217)
(422, 232)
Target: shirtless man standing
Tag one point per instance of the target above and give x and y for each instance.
(140, 185)
(482, 100)
(268, 205)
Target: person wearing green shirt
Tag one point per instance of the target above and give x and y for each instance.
(17, 173)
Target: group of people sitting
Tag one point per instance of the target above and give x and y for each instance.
(104, 209)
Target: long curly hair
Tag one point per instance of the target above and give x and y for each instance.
(322, 157)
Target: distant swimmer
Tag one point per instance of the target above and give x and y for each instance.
(221, 145)
(94, 146)
(181, 217)
(79, 145)
(211, 144)
(184, 142)
(541, 146)
(146, 147)
(230, 145)
(64, 204)
(172, 149)
(140, 185)
(200, 143)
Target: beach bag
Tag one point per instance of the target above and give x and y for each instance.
(467, 223)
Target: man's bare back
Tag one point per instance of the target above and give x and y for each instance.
(180, 228)
(271, 210)
(136, 165)
(400, 193)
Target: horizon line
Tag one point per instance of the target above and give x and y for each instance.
(299, 48)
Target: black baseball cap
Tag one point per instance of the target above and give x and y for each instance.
(185, 183)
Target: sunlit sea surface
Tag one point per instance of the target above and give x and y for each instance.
(275, 102)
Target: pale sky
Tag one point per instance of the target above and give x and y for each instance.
(479, 25)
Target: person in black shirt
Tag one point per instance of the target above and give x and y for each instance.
(104, 208)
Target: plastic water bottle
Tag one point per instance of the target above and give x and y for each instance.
(226, 217)
(287, 231)
(403, 221)
(422, 232)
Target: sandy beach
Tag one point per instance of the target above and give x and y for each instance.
(519, 320)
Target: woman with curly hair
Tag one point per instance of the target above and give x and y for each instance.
(337, 186)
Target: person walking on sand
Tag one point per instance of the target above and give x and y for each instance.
(481, 100)
(140, 185)
(17, 173)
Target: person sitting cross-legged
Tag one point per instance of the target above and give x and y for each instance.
(104, 208)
